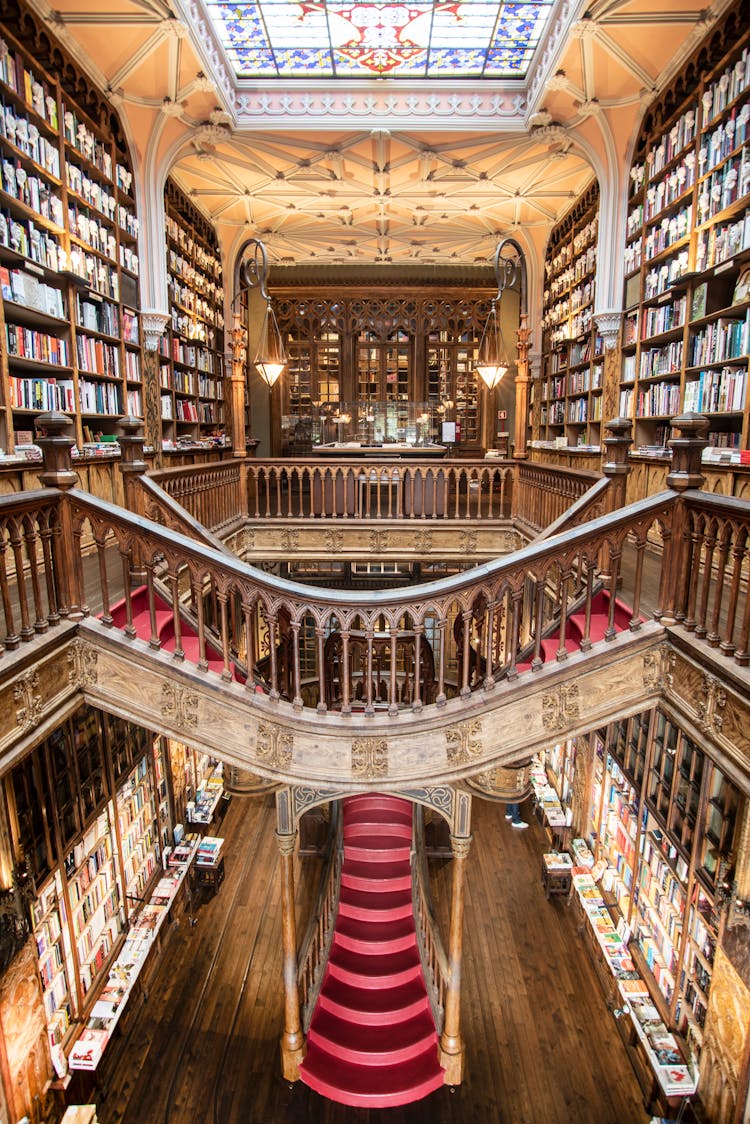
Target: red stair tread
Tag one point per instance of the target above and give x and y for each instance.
(357, 828)
(373, 1044)
(392, 935)
(373, 970)
(371, 1086)
(378, 848)
(375, 903)
(371, 875)
(374, 1004)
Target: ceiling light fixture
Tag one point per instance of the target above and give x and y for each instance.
(270, 356)
(492, 359)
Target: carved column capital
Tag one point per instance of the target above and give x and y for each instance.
(152, 325)
(608, 326)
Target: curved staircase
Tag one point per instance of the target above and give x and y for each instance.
(372, 1041)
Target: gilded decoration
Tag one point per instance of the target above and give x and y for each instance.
(725, 1040)
(83, 661)
(179, 706)
(560, 708)
(334, 541)
(274, 746)
(713, 703)
(26, 693)
(290, 540)
(423, 542)
(464, 742)
(468, 542)
(369, 757)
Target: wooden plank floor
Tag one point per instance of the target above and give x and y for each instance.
(541, 1045)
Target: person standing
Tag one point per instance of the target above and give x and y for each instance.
(513, 813)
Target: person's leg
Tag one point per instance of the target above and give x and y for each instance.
(516, 820)
(511, 811)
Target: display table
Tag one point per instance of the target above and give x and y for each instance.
(557, 873)
(208, 869)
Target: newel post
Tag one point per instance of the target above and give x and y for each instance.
(687, 445)
(132, 464)
(57, 441)
(292, 1040)
(451, 1043)
(617, 466)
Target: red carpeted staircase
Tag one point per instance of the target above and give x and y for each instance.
(576, 627)
(372, 1040)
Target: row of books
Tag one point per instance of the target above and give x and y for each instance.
(205, 259)
(24, 82)
(27, 343)
(672, 187)
(717, 391)
(720, 242)
(679, 136)
(661, 360)
(668, 232)
(22, 287)
(21, 132)
(722, 339)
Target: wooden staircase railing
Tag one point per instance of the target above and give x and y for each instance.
(316, 943)
(431, 950)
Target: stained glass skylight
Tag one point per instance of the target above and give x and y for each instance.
(345, 39)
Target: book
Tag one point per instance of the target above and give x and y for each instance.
(742, 286)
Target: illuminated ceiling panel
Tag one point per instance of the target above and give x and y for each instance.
(341, 38)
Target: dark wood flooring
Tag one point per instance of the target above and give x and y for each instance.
(541, 1045)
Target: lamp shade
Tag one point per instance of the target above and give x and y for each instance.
(492, 362)
(270, 357)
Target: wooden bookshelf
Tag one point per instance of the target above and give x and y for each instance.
(569, 399)
(191, 357)
(68, 252)
(687, 289)
(137, 834)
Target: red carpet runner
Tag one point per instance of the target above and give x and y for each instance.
(372, 1041)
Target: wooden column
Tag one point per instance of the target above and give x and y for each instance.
(292, 1040)
(56, 441)
(237, 379)
(152, 327)
(523, 337)
(451, 1043)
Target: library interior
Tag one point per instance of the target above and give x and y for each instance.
(374, 562)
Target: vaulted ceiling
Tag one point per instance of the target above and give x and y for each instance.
(347, 170)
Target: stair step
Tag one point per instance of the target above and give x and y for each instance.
(389, 969)
(374, 1044)
(355, 828)
(393, 875)
(374, 1005)
(368, 936)
(378, 848)
(375, 904)
(378, 801)
(371, 1086)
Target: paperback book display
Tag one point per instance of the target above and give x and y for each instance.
(662, 1049)
(112, 1000)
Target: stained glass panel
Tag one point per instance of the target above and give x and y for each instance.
(415, 39)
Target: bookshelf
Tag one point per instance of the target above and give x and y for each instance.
(191, 353)
(95, 899)
(569, 400)
(53, 951)
(687, 288)
(138, 833)
(68, 255)
(662, 816)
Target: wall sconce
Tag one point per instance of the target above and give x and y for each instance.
(270, 357)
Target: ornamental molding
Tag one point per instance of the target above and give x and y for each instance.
(711, 707)
(560, 708)
(28, 699)
(369, 758)
(82, 664)
(207, 47)
(308, 108)
(378, 542)
(334, 541)
(274, 746)
(464, 742)
(179, 706)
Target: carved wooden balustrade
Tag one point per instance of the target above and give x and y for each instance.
(505, 607)
(432, 952)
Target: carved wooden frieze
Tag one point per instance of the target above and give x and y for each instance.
(378, 542)
(274, 746)
(369, 758)
(179, 706)
(560, 708)
(423, 542)
(290, 540)
(719, 711)
(334, 541)
(502, 783)
(468, 541)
